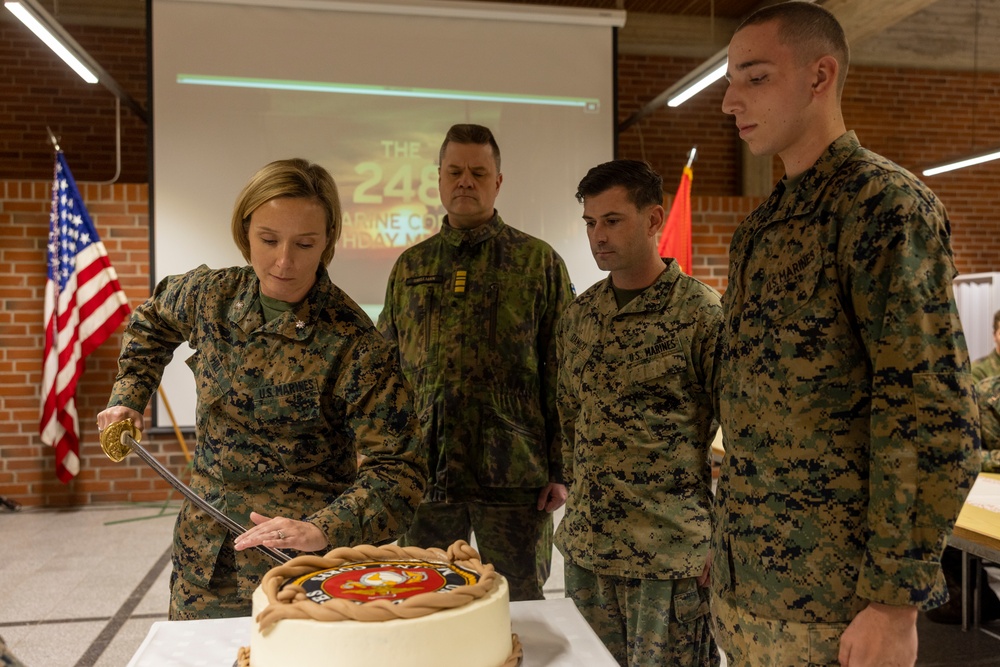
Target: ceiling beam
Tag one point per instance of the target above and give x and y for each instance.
(862, 19)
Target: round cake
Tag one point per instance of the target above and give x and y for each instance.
(401, 606)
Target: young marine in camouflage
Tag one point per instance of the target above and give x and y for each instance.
(989, 365)
(471, 313)
(988, 392)
(637, 406)
(847, 405)
(287, 400)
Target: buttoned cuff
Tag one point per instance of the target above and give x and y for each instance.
(902, 581)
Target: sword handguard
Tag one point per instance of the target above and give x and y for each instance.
(112, 442)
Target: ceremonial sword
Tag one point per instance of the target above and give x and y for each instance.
(120, 438)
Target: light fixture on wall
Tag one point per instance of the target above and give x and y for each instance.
(978, 157)
(961, 163)
(40, 22)
(695, 81)
(47, 28)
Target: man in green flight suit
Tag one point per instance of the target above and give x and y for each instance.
(472, 313)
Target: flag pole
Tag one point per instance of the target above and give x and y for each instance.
(177, 429)
(692, 154)
(53, 138)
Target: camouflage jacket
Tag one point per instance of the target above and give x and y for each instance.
(847, 404)
(637, 407)
(284, 409)
(986, 367)
(472, 315)
(988, 391)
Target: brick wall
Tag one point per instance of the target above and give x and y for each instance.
(27, 470)
(913, 117)
(37, 90)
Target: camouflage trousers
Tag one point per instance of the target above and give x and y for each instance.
(646, 622)
(221, 599)
(515, 539)
(750, 641)
(7, 658)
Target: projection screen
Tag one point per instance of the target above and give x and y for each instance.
(368, 89)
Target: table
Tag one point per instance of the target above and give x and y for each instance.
(977, 535)
(552, 632)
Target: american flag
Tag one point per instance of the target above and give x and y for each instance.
(84, 304)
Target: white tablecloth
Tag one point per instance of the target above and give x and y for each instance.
(552, 632)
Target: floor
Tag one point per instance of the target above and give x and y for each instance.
(81, 587)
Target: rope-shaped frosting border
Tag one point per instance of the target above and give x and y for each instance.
(291, 602)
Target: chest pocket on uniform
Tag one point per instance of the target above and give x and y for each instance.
(420, 317)
(287, 417)
(210, 374)
(791, 284)
(659, 388)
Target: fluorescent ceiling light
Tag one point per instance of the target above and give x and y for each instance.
(695, 81)
(689, 90)
(584, 103)
(48, 30)
(961, 163)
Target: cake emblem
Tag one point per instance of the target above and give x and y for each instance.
(394, 581)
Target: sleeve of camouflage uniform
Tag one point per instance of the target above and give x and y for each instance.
(705, 356)
(708, 351)
(896, 258)
(560, 294)
(379, 505)
(568, 407)
(154, 331)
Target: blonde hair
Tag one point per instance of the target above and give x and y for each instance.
(293, 178)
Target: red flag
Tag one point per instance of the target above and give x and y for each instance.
(84, 304)
(675, 240)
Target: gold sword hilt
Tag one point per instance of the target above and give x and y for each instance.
(111, 439)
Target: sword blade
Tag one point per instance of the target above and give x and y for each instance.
(201, 503)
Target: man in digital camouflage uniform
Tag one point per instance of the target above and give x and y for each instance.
(989, 365)
(988, 391)
(847, 405)
(293, 383)
(637, 406)
(472, 313)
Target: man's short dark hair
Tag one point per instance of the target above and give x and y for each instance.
(996, 321)
(643, 185)
(809, 29)
(467, 133)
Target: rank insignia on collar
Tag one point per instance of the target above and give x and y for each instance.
(299, 324)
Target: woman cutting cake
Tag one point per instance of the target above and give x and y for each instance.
(293, 383)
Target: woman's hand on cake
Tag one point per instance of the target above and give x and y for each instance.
(117, 413)
(281, 533)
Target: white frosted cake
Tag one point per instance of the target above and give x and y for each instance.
(399, 606)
